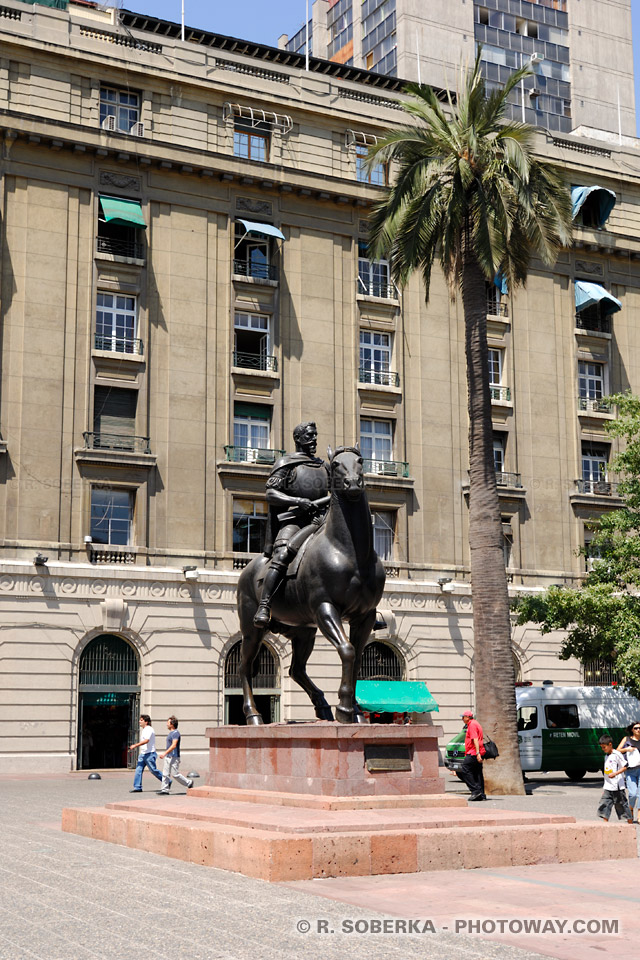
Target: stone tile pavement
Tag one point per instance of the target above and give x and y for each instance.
(66, 897)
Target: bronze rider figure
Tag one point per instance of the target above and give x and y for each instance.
(298, 498)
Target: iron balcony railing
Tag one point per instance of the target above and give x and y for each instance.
(254, 361)
(504, 479)
(594, 405)
(383, 378)
(377, 288)
(114, 441)
(387, 468)
(598, 488)
(119, 344)
(259, 271)
(251, 454)
(497, 308)
(500, 393)
(596, 324)
(132, 249)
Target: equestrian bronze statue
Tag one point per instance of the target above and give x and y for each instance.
(318, 570)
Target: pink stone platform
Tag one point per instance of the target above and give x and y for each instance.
(324, 759)
(279, 837)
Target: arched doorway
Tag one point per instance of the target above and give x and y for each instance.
(109, 703)
(381, 661)
(266, 686)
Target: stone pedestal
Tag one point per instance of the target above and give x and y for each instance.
(327, 759)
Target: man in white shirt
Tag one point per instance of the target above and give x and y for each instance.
(614, 792)
(147, 755)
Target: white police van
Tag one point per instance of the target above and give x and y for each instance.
(559, 727)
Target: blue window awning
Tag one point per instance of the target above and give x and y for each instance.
(500, 281)
(597, 200)
(395, 696)
(590, 294)
(262, 229)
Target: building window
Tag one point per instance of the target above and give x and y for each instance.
(253, 255)
(116, 323)
(249, 525)
(122, 106)
(111, 516)
(495, 367)
(114, 418)
(384, 524)
(590, 380)
(595, 464)
(380, 661)
(120, 228)
(376, 440)
(251, 429)
(375, 357)
(378, 175)
(600, 673)
(507, 540)
(499, 447)
(251, 143)
(373, 275)
(252, 341)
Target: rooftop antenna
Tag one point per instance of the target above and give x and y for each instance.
(182, 23)
(306, 43)
(418, 57)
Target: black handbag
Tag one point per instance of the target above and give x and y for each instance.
(491, 751)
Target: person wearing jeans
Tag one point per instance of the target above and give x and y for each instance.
(147, 755)
(171, 758)
(630, 747)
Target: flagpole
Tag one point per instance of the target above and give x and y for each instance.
(306, 45)
(182, 31)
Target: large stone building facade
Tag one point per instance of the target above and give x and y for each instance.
(183, 279)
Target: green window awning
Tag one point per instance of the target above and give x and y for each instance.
(590, 294)
(258, 410)
(57, 4)
(126, 212)
(395, 696)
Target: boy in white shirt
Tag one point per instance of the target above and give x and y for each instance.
(614, 792)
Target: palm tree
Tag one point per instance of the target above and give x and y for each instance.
(468, 191)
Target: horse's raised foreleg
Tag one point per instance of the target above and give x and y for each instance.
(330, 622)
(248, 652)
(359, 634)
(302, 641)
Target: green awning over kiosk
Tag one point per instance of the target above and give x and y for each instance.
(395, 696)
(126, 212)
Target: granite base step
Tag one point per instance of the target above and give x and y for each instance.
(279, 841)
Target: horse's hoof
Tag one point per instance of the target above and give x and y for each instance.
(255, 720)
(324, 713)
(344, 716)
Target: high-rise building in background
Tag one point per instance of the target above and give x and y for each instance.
(580, 52)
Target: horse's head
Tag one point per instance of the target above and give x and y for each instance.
(347, 474)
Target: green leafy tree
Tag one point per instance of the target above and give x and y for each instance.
(602, 616)
(468, 192)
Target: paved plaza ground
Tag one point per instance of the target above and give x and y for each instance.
(66, 897)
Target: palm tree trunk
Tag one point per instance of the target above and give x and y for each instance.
(493, 658)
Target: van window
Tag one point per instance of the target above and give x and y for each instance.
(562, 715)
(527, 718)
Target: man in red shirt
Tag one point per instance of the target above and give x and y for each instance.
(471, 771)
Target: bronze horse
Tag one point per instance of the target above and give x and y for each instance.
(340, 577)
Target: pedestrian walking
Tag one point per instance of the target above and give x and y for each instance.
(171, 758)
(614, 793)
(629, 746)
(471, 770)
(147, 755)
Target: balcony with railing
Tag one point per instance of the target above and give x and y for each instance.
(115, 441)
(255, 361)
(386, 468)
(497, 308)
(116, 247)
(500, 394)
(597, 488)
(506, 479)
(380, 288)
(593, 323)
(381, 378)
(260, 455)
(255, 270)
(128, 345)
(589, 405)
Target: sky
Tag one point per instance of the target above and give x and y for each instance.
(264, 20)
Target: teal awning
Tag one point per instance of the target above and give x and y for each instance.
(589, 294)
(395, 696)
(263, 229)
(599, 200)
(58, 4)
(500, 281)
(258, 410)
(127, 212)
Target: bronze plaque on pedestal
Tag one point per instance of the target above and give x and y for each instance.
(380, 758)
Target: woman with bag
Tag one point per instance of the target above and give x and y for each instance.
(630, 747)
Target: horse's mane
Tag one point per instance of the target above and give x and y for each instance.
(340, 450)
